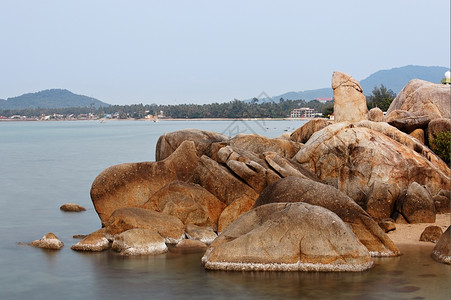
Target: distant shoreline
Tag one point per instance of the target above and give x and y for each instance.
(162, 120)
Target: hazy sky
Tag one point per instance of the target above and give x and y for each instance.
(124, 52)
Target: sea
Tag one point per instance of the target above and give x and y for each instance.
(46, 164)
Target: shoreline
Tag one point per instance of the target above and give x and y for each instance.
(158, 120)
(409, 234)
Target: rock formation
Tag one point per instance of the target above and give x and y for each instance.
(349, 100)
(295, 189)
(139, 241)
(431, 234)
(423, 98)
(189, 202)
(123, 219)
(132, 184)
(442, 250)
(287, 237)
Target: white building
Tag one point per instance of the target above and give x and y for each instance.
(303, 112)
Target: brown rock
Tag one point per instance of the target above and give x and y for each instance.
(407, 141)
(139, 241)
(123, 219)
(381, 200)
(423, 98)
(48, 241)
(96, 241)
(295, 189)
(417, 205)
(169, 142)
(376, 115)
(219, 181)
(431, 234)
(442, 202)
(303, 133)
(407, 124)
(353, 158)
(189, 202)
(349, 101)
(387, 225)
(418, 134)
(202, 234)
(191, 244)
(72, 207)
(259, 144)
(287, 237)
(286, 168)
(132, 184)
(442, 250)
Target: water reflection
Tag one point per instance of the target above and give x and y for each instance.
(181, 276)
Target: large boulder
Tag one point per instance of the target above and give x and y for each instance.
(407, 121)
(295, 189)
(423, 98)
(417, 206)
(123, 219)
(408, 141)
(303, 133)
(132, 184)
(376, 115)
(189, 202)
(349, 100)
(353, 158)
(259, 144)
(169, 142)
(442, 250)
(431, 234)
(139, 241)
(287, 237)
(48, 241)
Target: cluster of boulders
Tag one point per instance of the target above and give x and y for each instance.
(309, 201)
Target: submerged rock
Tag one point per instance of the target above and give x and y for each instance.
(139, 241)
(72, 207)
(294, 189)
(287, 237)
(442, 250)
(48, 241)
(95, 242)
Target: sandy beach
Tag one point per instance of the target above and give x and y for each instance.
(409, 234)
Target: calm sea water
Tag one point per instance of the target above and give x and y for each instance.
(46, 164)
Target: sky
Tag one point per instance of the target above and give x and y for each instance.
(180, 52)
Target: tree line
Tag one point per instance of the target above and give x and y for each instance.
(381, 97)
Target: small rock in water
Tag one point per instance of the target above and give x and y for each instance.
(191, 244)
(48, 241)
(96, 241)
(139, 241)
(72, 207)
(431, 234)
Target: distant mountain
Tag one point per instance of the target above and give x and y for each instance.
(394, 79)
(54, 98)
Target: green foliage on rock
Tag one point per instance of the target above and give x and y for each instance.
(441, 145)
(381, 97)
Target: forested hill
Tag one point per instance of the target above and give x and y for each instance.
(54, 98)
